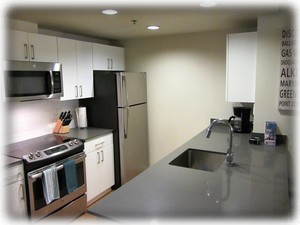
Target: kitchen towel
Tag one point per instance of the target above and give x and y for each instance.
(71, 175)
(50, 184)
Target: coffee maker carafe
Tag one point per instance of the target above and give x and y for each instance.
(241, 120)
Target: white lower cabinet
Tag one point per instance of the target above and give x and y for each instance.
(99, 166)
(14, 192)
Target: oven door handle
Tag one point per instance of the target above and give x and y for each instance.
(59, 166)
(38, 175)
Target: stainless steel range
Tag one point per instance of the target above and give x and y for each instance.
(51, 164)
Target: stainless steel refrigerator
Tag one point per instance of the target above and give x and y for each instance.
(120, 103)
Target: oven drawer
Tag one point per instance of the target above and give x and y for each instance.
(71, 211)
(98, 143)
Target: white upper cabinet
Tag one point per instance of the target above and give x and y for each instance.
(85, 69)
(31, 47)
(76, 59)
(241, 67)
(106, 57)
(67, 57)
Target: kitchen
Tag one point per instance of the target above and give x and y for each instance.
(199, 77)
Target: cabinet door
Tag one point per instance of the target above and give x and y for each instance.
(241, 67)
(99, 165)
(93, 174)
(18, 48)
(107, 163)
(107, 57)
(15, 200)
(117, 55)
(68, 59)
(42, 48)
(85, 69)
(101, 59)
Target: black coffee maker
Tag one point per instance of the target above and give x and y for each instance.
(241, 120)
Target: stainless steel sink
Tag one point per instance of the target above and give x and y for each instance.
(200, 160)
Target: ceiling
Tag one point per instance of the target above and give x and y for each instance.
(172, 19)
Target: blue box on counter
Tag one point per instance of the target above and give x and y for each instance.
(270, 133)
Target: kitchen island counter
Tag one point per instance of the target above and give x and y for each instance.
(256, 186)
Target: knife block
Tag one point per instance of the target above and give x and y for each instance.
(64, 129)
(59, 129)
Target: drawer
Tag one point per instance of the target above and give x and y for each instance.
(13, 174)
(98, 143)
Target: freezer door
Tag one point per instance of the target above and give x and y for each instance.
(134, 148)
(132, 88)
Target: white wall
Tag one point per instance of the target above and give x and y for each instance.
(186, 85)
(267, 77)
(25, 120)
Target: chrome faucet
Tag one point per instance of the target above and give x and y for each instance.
(229, 155)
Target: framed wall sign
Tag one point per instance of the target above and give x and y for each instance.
(287, 82)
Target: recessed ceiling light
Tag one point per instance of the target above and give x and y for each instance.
(110, 12)
(208, 3)
(153, 27)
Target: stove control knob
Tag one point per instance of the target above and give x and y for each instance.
(71, 143)
(38, 154)
(75, 141)
(30, 156)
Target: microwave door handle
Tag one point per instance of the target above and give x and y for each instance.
(51, 83)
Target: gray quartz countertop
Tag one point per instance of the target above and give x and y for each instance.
(9, 161)
(257, 186)
(87, 133)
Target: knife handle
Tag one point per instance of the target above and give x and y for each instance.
(61, 115)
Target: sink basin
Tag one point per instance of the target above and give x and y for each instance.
(200, 160)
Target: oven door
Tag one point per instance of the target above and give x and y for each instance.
(37, 203)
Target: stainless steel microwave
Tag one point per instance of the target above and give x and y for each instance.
(28, 81)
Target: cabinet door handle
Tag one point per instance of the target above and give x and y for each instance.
(80, 88)
(76, 91)
(100, 145)
(98, 153)
(108, 62)
(23, 192)
(111, 63)
(102, 154)
(32, 52)
(26, 51)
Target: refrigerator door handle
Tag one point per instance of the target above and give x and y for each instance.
(126, 107)
(126, 123)
(125, 90)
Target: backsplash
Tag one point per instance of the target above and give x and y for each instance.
(25, 120)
